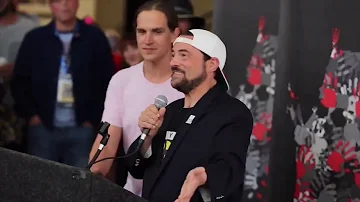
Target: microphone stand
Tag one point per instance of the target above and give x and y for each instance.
(103, 131)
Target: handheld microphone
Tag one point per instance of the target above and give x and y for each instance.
(160, 102)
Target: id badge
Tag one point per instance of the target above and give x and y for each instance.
(65, 90)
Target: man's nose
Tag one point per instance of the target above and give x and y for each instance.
(149, 38)
(174, 62)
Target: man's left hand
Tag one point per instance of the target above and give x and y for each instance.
(195, 178)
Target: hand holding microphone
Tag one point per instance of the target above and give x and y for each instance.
(150, 121)
(152, 118)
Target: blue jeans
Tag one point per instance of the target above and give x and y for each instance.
(70, 146)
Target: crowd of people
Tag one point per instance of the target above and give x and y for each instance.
(58, 81)
(29, 68)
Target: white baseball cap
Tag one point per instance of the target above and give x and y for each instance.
(210, 44)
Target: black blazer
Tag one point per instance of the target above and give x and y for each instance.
(217, 139)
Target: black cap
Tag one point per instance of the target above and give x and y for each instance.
(185, 10)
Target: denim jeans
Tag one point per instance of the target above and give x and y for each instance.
(70, 146)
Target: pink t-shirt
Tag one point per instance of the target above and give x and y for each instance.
(128, 94)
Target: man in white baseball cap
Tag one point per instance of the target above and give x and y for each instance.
(196, 148)
(212, 50)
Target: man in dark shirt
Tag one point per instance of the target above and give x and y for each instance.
(195, 151)
(59, 84)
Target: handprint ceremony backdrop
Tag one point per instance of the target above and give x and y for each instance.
(296, 65)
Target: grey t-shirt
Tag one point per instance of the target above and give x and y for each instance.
(11, 37)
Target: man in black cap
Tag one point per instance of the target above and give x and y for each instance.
(187, 20)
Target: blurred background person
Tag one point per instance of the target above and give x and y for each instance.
(114, 40)
(187, 20)
(59, 84)
(129, 50)
(13, 26)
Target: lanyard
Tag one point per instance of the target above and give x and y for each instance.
(66, 55)
(67, 48)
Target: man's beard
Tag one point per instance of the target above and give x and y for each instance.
(9, 8)
(186, 86)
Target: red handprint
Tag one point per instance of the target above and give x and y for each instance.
(261, 36)
(254, 70)
(328, 93)
(305, 161)
(261, 128)
(302, 188)
(259, 131)
(344, 152)
(291, 92)
(357, 109)
(357, 93)
(357, 179)
(329, 99)
(254, 77)
(335, 39)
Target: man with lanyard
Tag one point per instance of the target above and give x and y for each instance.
(197, 149)
(59, 85)
(64, 111)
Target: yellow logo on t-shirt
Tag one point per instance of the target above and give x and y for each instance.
(167, 145)
(170, 135)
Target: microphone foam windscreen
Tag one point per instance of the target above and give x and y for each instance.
(160, 101)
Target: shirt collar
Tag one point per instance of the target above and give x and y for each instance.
(74, 31)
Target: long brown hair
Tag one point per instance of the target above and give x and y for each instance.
(163, 6)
